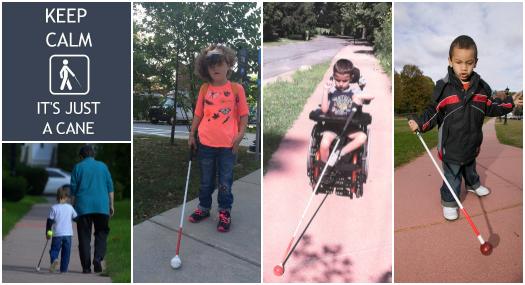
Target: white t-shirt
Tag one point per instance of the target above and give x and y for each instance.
(62, 214)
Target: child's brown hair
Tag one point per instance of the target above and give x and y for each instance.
(62, 193)
(214, 54)
(344, 66)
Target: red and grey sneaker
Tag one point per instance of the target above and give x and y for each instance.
(224, 222)
(198, 216)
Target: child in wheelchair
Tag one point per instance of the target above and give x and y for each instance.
(344, 169)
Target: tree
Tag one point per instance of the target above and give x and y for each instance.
(171, 35)
(289, 18)
(271, 20)
(399, 102)
(415, 90)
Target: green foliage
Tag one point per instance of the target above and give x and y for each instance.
(118, 257)
(142, 105)
(67, 155)
(12, 212)
(13, 188)
(414, 92)
(288, 18)
(117, 157)
(383, 43)
(7, 149)
(35, 176)
(407, 146)
(296, 37)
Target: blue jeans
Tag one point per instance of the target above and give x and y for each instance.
(454, 174)
(211, 160)
(63, 242)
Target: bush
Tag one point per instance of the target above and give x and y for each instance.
(36, 177)
(117, 191)
(296, 37)
(383, 44)
(13, 188)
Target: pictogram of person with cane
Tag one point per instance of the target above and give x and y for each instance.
(64, 74)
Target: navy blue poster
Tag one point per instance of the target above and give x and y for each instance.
(66, 72)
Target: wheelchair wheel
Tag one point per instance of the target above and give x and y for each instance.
(366, 157)
(359, 186)
(312, 156)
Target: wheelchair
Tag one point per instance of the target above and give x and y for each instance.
(350, 173)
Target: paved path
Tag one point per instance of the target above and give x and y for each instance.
(280, 59)
(22, 247)
(430, 249)
(348, 240)
(207, 255)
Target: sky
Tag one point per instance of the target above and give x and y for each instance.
(423, 33)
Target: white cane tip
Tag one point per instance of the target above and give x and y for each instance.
(175, 262)
(37, 268)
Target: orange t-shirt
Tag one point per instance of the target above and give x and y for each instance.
(219, 118)
(465, 85)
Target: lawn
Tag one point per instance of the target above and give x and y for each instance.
(12, 212)
(407, 145)
(160, 170)
(511, 134)
(118, 256)
(283, 101)
(283, 41)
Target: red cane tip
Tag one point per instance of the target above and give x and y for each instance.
(278, 270)
(486, 248)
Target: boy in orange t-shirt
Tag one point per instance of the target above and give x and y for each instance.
(220, 108)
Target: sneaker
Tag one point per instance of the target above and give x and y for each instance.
(198, 216)
(481, 191)
(97, 265)
(334, 158)
(450, 213)
(63, 272)
(53, 265)
(86, 270)
(224, 222)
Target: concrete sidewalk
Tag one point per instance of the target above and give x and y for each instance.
(344, 240)
(22, 247)
(207, 255)
(430, 249)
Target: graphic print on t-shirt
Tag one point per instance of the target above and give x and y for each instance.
(342, 103)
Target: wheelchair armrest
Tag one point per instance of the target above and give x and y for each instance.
(359, 118)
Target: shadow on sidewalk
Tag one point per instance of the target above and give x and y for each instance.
(493, 237)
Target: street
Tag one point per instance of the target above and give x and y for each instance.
(181, 131)
(284, 58)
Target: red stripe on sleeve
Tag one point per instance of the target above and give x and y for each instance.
(508, 105)
(449, 100)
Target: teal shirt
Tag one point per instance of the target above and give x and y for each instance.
(90, 185)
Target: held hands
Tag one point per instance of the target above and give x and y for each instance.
(111, 211)
(413, 126)
(48, 237)
(518, 98)
(236, 141)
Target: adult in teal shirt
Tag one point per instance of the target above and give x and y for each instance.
(92, 198)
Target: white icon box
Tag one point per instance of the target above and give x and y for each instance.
(71, 85)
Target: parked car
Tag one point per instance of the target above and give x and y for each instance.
(57, 178)
(163, 110)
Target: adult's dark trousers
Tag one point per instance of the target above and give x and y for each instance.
(84, 225)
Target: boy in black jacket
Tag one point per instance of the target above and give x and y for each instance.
(462, 100)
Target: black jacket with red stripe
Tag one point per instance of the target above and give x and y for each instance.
(459, 113)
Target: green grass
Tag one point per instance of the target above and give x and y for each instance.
(283, 101)
(160, 170)
(407, 145)
(511, 134)
(280, 42)
(12, 212)
(118, 256)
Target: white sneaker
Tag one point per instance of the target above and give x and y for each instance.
(334, 158)
(450, 213)
(481, 191)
